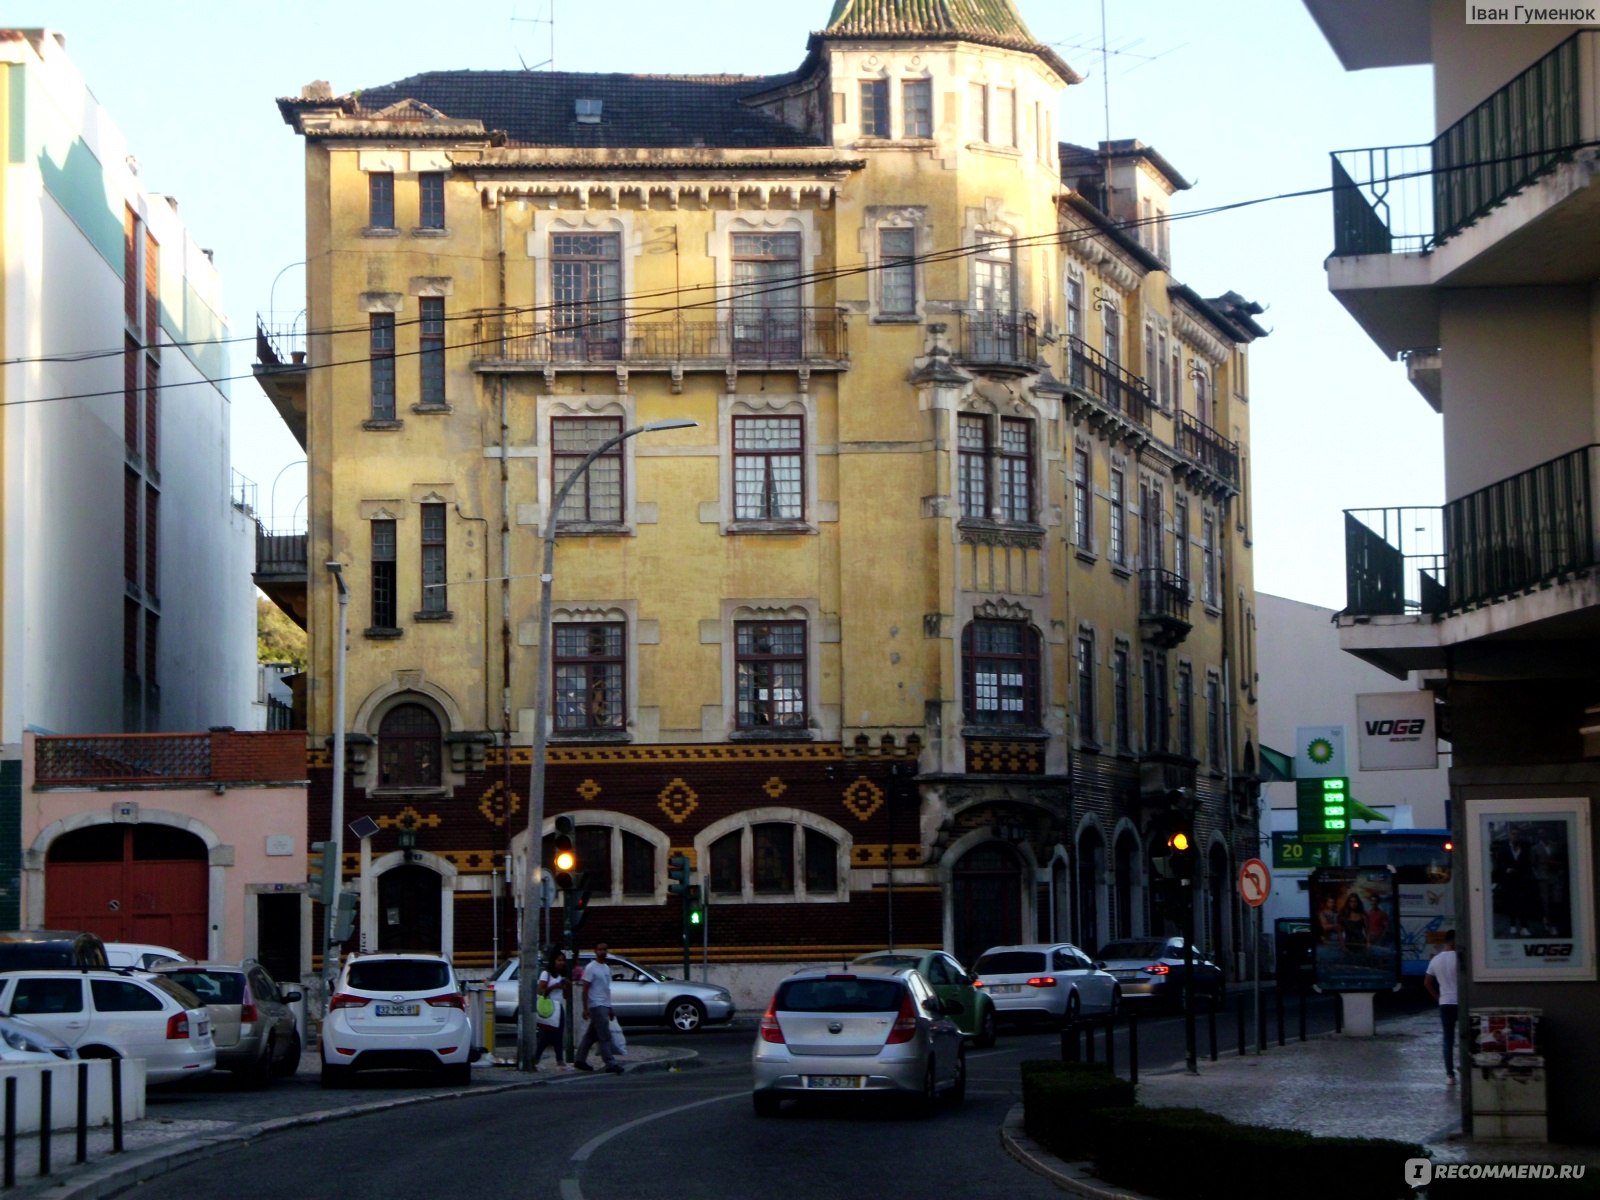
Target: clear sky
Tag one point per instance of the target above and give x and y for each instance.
(1241, 96)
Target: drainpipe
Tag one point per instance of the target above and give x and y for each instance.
(505, 582)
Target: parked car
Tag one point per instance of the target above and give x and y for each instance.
(29, 949)
(950, 981)
(117, 1014)
(860, 1032)
(24, 1042)
(397, 1010)
(1150, 971)
(141, 956)
(640, 997)
(251, 1021)
(1049, 981)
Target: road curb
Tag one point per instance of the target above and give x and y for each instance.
(116, 1175)
(1070, 1177)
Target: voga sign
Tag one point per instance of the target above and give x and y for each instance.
(1396, 731)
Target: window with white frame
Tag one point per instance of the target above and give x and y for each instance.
(978, 111)
(875, 108)
(768, 858)
(897, 272)
(768, 468)
(1005, 116)
(916, 103)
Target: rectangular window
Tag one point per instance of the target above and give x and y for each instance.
(586, 290)
(1005, 117)
(383, 575)
(430, 200)
(1113, 346)
(773, 847)
(1163, 383)
(875, 108)
(1180, 539)
(1119, 542)
(822, 863)
(1150, 359)
(152, 628)
(130, 267)
(1176, 398)
(431, 336)
(152, 290)
(770, 674)
(597, 495)
(130, 636)
(381, 359)
(1075, 306)
(1121, 716)
(1208, 559)
(380, 199)
(1163, 713)
(916, 99)
(1002, 666)
(1147, 682)
(1086, 714)
(1186, 710)
(897, 272)
(152, 413)
(152, 532)
(972, 434)
(768, 469)
(130, 395)
(978, 95)
(434, 596)
(1082, 513)
(1151, 501)
(993, 279)
(1213, 723)
(1016, 470)
(638, 866)
(589, 667)
(130, 526)
(766, 314)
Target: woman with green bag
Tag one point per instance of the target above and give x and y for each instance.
(548, 1010)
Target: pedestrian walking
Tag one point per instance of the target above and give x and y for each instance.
(1441, 984)
(550, 1010)
(596, 981)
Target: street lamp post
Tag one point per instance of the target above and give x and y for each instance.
(334, 859)
(531, 950)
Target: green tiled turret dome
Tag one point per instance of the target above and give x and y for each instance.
(991, 20)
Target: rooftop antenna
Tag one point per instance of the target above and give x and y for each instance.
(550, 21)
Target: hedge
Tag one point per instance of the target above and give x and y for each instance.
(1059, 1097)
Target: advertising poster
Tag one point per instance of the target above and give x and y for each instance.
(1355, 920)
(1531, 889)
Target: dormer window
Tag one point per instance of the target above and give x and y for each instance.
(588, 111)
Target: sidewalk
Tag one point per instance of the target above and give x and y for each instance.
(1392, 1085)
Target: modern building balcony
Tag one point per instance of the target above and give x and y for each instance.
(607, 339)
(1106, 391)
(1506, 196)
(282, 371)
(1163, 607)
(999, 341)
(1513, 561)
(281, 571)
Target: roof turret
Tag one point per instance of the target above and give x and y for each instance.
(988, 22)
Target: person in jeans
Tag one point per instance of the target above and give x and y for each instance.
(1441, 984)
(548, 1030)
(596, 981)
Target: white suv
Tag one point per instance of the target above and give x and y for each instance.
(397, 1010)
(116, 1014)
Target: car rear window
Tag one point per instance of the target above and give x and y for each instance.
(1145, 949)
(855, 995)
(399, 975)
(213, 987)
(1011, 962)
(888, 960)
(35, 956)
(177, 991)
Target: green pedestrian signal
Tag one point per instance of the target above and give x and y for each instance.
(695, 906)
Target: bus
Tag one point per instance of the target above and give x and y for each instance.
(1422, 862)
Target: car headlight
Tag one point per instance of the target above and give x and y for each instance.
(21, 1041)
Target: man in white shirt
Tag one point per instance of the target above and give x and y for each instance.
(1441, 984)
(596, 981)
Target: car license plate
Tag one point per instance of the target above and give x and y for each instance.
(1126, 974)
(1007, 988)
(398, 1010)
(833, 1082)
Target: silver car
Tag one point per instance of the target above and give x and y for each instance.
(858, 1032)
(639, 997)
(1049, 981)
(252, 1022)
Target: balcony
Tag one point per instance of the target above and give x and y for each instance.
(282, 372)
(1163, 607)
(281, 571)
(1000, 340)
(1118, 394)
(607, 339)
(1207, 449)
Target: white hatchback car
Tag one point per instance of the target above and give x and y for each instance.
(397, 1010)
(117, 1014)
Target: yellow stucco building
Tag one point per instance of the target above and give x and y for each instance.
(923, 629)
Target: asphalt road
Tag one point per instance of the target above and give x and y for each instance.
(689, 1133)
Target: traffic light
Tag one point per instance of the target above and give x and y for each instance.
(678, 874)
(344, 917)
(575, 903)
(323, 871)
(565, 856)
(694, 907)
(1182, 858)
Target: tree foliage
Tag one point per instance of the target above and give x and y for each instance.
(278, 639)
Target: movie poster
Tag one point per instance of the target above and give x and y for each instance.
(1355, 919)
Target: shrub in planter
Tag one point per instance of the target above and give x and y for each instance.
(1058, 1098)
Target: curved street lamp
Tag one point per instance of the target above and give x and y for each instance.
(531, 951)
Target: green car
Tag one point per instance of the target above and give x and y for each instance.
(950, 982)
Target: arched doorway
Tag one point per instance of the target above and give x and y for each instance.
(130, 883)
(1091, 885)
(1127, 871)
(408, 909)
(986, 894)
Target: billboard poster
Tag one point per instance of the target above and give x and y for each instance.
(1355, 919)
(1530, 889)
(1397, 731)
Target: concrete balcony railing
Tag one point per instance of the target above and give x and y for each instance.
(1528, 531)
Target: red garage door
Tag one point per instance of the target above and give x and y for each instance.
(130, 883)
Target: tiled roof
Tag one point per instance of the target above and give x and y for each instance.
(538, 108)
(988, 22)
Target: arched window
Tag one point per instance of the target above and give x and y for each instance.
(408, 748)
(618, 864)
(1000, 661)
(774, 859)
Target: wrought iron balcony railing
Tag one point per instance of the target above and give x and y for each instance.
(1000, 338)
(1115, 387)
(280, 346)
(1408, 199)
(1516, 534)
(1206, 446)
(609, 336)
(1163, 595)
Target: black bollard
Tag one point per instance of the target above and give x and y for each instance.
(83, 1112)
(1302, 1016)
(46, 1079)
(11, 1131)
(1088, 1038)
(1111, 1044)
(116, 1106)
(1277, 994)
(1211, 1027)
(1071, 1049)
(1238, 1013)
(1133, 1048)
(1338, 1015)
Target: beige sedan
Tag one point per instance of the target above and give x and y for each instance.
(252, 1021)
